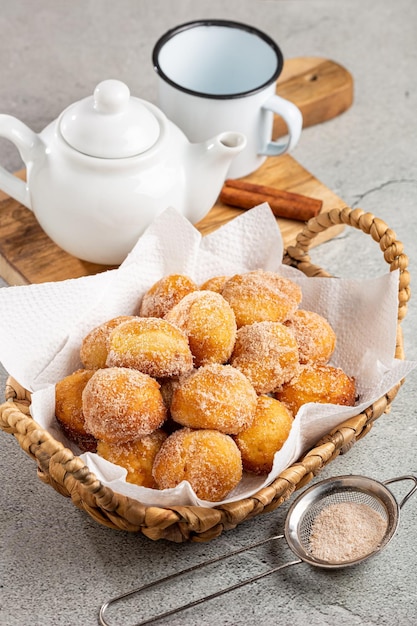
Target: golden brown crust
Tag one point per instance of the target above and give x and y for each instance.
(209, 323)
(215, 397)
(69, 411)
(137, 457)
(318, 383)
(208, 459)
(216, 283)
(121, 404)
(268, 433)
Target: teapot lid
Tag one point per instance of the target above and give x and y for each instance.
(110, 124)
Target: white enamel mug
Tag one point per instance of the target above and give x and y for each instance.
(220, 75)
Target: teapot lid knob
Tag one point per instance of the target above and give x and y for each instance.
(111, 96)
(110, 124)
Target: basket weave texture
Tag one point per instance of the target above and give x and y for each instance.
(67, 473)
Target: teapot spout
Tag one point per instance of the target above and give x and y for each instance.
(208, 166)
(232, 142)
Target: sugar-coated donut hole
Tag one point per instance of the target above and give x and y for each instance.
(261, 296)
(164, 294)
(208, 459)
(315, 337)
(318, 383)
(137, 457)
(122, 404)
(69, 409)
(270, 429)
(95, 345)
(267, 353)
(151, 345)
(216, 283)
(216, 397)
(209, 323)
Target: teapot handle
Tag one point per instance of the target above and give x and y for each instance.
(27, 142)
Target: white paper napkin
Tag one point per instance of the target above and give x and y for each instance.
(42, 327)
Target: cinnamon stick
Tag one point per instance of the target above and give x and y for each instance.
(294, 206)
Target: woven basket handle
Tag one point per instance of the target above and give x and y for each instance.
(392, 249)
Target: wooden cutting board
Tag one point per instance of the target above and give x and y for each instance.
(321, 88)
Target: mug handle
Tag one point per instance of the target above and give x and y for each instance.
(293, 118)
(27, 142)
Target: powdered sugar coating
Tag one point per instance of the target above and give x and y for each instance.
(267, 353)
(208, 459)
(121, 404)
(209, 323)
(151, 345)
(216, 397)
(346, 531)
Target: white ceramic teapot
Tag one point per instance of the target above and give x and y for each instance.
(99, 174)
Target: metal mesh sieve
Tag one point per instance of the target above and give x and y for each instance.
(344, 489)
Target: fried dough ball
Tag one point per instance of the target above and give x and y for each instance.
(216, 283)
(151, 345)
(315, 337)
(121, 404)
(208, 459)
(267, 435)
(214, 396)
(209, 323)
(261, 296)
(69, 411)
(95, 346)
(165, 294)
(267, 353)
(137, 457)
(318, 383)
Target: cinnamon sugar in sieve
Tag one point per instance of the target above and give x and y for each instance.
(345, 531)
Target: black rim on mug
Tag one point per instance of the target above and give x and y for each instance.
(170, 34)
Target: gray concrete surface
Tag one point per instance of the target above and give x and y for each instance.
(57, 565)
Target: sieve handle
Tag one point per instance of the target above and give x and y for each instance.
(412, 490)
(188, 570)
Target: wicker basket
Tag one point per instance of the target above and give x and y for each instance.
(67, 474)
